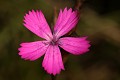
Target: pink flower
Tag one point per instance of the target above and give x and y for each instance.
(52, 63)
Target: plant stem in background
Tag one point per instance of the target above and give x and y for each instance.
(78, 4)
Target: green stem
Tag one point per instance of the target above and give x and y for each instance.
(53, 77)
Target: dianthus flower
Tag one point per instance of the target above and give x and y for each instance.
(52, 62)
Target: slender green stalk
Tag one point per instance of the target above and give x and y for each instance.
(53, 77)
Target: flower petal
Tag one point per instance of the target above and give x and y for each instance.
(74, 45)
(36, 22)
(65, 22)
(33, 50)
(52, 62)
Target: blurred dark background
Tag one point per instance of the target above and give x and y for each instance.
(100, 21)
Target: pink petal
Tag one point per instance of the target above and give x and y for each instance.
(74, 45)
(52, 62)
(33, 50)
(36, 22)
(65, 22)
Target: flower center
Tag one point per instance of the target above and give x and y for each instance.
(54, 41)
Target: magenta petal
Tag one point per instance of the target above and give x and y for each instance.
(33, 50)
(74, 45)
(36, 22)
(65, 22)
(52, 62)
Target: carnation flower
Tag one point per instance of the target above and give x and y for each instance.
(52, 62)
